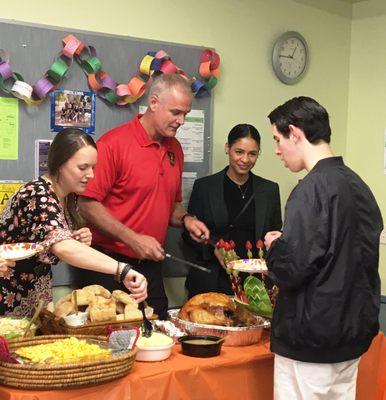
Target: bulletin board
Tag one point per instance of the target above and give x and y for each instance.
(33, 48)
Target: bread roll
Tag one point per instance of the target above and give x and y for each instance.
(120, 317)
(64, 309)
(120, 308)
(123, 297)
(83, 298)
(97, 290)
(63, 299)
(101, 302)
(103, 314)
(132, 313)
(102, 309)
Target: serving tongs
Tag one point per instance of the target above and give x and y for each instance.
(34, 318)
(147, 326)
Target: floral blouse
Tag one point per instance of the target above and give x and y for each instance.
(33, 214)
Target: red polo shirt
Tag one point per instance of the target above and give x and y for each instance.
(137, 180)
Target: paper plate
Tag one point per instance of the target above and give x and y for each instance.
(250, 265)
(19, 251)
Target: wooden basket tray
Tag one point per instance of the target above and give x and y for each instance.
(50, 324)
(62, 376)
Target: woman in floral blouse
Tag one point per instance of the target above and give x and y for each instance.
(44, 211)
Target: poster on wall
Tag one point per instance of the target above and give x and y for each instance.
(71, 108)
(7, 189)
(188, 179)
(9, 128)
(191, 136)
(41, 156)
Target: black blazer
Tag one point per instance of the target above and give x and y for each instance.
(208, 204)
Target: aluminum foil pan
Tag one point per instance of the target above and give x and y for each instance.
(234, 336)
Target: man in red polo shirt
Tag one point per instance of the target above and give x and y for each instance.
(136, 192)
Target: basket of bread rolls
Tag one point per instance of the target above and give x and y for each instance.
(90, 311)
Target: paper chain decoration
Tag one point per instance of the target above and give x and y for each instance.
(98, 80)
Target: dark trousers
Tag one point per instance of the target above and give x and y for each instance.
(150, 269)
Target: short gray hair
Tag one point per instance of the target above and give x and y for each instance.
(163, 82)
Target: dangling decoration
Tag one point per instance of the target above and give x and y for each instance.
(98, 80)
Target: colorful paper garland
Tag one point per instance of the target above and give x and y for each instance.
(98, 79)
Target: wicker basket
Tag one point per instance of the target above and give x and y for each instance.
(62, 376)
(50, 324)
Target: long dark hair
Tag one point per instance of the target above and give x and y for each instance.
(241, 131)
(65, 144)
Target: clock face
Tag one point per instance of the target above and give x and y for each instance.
(290, 57)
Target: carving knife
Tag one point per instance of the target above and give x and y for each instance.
(181, 260)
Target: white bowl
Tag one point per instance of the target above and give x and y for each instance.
(76, 320)
(149, 352)
(154, 353)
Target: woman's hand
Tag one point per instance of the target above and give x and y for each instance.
(5, 265)
(137, 284)
(219, 257)
(83, 235)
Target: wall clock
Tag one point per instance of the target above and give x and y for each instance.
(290, 57)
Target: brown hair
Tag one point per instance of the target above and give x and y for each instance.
(65, 144)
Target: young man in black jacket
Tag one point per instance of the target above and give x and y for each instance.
(325, 262)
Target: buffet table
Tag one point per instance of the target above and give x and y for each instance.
(239, 372)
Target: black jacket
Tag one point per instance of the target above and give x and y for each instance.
(208, 204)
(326, 267)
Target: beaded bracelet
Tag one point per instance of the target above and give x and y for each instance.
(124, 272)
(120, 275)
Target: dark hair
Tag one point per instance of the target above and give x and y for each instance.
(243, 131)
(304, 113)
(65, 144)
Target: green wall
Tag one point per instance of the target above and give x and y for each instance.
(367, 102)
(243, 32)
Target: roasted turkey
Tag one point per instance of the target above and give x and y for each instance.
(215, 309)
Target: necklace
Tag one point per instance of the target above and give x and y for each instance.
(243, 193)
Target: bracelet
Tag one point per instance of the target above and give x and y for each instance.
(187, 215)
(124, 272)
(117, 272)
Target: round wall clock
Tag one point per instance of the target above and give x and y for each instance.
(290, 57)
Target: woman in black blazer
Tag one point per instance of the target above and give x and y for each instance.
(217, 201)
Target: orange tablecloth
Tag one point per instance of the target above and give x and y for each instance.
(371, 384)
(239, 372)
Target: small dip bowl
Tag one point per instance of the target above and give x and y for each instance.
(157, 347)
(201, 346)
(76, 319)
